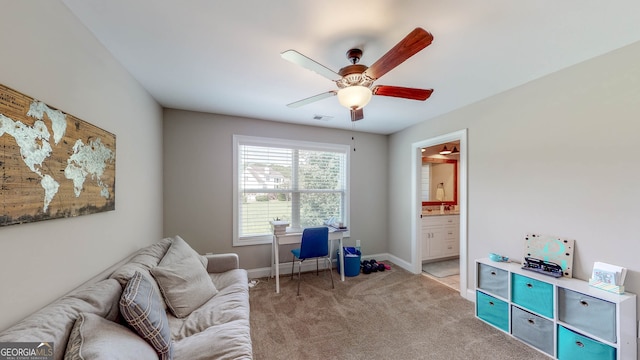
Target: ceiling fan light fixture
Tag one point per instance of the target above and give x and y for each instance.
(445, 151)
(354, 97)
(455, 150)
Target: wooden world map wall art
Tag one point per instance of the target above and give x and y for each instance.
(52, 165)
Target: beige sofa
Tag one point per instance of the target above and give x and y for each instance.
(165, 301)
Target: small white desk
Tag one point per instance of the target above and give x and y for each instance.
(296, 238)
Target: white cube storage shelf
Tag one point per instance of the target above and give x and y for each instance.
(563, 318)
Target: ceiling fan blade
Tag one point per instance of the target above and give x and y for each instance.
(357, 114)
(402, 92)
(417, 40)
(307, 63)
(311, 99)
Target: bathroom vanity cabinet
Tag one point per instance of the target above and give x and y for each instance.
(440, 236)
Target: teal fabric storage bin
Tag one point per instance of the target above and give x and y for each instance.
(492, 310)
(532, 294)
(572, 345)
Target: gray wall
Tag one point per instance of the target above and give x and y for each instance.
(198, 181)
(556, 156)
(48, 55)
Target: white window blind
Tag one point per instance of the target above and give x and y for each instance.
(425, 179)
(304, 183)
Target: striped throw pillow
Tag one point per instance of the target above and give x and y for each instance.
(141, 306)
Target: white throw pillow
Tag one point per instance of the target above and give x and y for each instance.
(94, 337)
(180, 249)
(183, 281)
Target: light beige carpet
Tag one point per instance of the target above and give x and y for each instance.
(385, 315)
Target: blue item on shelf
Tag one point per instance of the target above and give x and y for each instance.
(498, 258)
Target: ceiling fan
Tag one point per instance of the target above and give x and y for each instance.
(355, 81)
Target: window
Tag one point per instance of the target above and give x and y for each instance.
(305, 183)
(425, 179)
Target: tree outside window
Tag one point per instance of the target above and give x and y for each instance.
(300, 182)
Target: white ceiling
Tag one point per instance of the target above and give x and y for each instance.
(224, 56)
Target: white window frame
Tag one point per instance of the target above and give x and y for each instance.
(282, 143)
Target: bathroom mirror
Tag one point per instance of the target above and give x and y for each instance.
(439, 181)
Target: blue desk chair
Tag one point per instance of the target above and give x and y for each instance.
(315, 244)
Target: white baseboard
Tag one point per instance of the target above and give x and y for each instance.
(397, 261)
(471, 295)
(285, 267)
(260, 272)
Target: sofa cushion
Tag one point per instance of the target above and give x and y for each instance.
(94, 337)
(142, 261)
(228, 341)
(141, 306)
(231, 303)
(179, 250)
(185, 285)
(53, 323)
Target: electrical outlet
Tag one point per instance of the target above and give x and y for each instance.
(357, 243)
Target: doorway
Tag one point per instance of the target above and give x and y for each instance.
(416, 221)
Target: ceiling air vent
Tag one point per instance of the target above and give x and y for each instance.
(322, 117)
